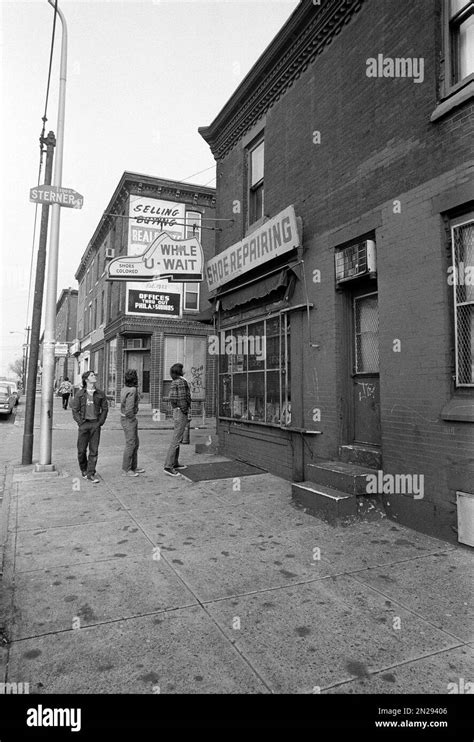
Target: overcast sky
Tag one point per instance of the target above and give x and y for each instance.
(142, 77)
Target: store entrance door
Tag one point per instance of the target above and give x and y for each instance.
(140, 361)
(365, 375)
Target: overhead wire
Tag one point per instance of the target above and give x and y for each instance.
(44, 119)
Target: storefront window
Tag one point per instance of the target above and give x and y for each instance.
(112, 367)
(254, 372)
(191, 352)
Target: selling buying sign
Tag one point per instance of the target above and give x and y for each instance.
(157, 251)
(148, 217)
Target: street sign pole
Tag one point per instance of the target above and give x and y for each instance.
(49, 342)
(32, 363)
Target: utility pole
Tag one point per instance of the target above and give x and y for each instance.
(49, 341)
(32, 362)
(25, 357)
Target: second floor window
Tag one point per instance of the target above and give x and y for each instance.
(191, 295)
(256, 182)
(193, 224)
(461, 32)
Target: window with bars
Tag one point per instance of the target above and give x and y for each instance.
(256, 182)
(462, 280)
(255, 372)
(459, 41)
(366, 334)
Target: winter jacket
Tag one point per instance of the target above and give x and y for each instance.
(78, 406)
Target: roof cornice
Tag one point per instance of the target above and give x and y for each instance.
(304, 36)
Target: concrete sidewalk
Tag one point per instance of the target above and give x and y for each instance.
(155, 584)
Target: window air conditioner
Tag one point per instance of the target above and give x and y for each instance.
(356, 261)
(110, 252)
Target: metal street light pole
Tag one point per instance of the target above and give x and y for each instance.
(49, 340)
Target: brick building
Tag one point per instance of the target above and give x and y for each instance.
(66, 324)
(116, 329)
(356, 128)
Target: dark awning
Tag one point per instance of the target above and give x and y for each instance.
(257, 289)
(205, 316)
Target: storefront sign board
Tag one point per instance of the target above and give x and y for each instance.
(276, 237)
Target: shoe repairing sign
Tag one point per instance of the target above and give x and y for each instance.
(166, 257)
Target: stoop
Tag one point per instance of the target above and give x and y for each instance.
(336, 491)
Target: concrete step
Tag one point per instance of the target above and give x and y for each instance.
(339, 475)
(362, 455)
(336, 507)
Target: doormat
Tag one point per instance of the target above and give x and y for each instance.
(220, 470)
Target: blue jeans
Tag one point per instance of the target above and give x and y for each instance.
(130, 454)
(89, 435)
(180, 422)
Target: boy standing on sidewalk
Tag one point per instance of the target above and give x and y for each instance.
(65, 391)
(89, 410)
(180, 398)
(129, 398)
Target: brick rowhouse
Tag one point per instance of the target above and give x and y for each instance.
(147, 326)
(360, 115)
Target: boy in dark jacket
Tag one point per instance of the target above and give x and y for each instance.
(89, 410)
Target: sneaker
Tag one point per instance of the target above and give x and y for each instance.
(84, 474)
(180, 466)
(171, 472)
(92, 478)
(129, 473)
(139, 471)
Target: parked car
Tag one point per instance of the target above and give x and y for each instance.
(7, 399)
(15, 389)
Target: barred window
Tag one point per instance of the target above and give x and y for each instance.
(462, 280)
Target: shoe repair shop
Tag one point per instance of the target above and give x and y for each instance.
(259, 359)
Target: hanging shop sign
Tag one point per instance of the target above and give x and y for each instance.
(149, 217)
(153, 303)
(166, 257)
(276, 237)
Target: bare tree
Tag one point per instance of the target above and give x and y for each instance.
(17, 367)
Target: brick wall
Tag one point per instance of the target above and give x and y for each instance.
(377, 146)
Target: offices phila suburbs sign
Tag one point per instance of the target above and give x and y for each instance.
(166, 257)
(276, 237)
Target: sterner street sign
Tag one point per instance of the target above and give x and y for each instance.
(48, 194)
